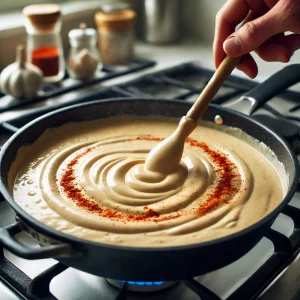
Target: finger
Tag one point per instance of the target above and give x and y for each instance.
(226, 22)
(257, 6)
(248, 65)
(232, 13)
(271, 3)
(253, 34)
(279, 48)
(292, 41)
(276, 39)
(274, 52)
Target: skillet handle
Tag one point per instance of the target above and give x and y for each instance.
(11, 244)
(277, 83)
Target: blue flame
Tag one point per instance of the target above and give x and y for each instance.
(142, 283)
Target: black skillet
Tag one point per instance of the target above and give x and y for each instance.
(147, 264)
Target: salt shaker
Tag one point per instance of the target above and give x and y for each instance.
(84, 59)
(115, 33)
(44, 44)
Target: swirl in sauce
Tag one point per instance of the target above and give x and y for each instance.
(91, 182)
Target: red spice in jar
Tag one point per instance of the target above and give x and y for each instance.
(47, 59)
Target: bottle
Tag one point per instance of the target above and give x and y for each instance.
(44, 44)
(115, 24)
(84, 59)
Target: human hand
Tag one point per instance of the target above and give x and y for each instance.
(265, 34)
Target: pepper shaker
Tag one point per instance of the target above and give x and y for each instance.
(44, 44)
(84, 59)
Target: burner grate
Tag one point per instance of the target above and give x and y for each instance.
(183, 82)
(68, 85)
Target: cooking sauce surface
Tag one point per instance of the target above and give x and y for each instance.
(88, 179)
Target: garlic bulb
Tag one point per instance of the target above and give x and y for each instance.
(21, 79)
(83, 65)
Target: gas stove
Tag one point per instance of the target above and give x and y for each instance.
(271, 270)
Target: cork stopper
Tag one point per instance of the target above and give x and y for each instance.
(116, 20)
(42, 16)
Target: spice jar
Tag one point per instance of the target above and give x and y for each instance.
(115, 33)
(44, 44)
(83, 60)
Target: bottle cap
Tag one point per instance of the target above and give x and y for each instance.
(115, 20)
(82, 35)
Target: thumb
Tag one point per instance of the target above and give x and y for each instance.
(250, 36)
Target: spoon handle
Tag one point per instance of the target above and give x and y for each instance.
(222, 73)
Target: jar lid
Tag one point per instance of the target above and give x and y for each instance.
(82, 35)
(118, 20)
(42, 16)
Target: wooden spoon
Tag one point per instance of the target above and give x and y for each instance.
(166, 156)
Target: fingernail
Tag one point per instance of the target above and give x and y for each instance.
(232, 46)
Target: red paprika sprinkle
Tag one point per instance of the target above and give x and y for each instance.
(225, 188)
(47, 59)
(73, 192)
(149, 138)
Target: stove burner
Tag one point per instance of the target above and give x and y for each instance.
(141, 286)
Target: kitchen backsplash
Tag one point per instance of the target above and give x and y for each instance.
(197, 21)
(199, 18)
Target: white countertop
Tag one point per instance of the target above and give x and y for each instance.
(191, 50)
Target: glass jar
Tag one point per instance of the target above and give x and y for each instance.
(44, 44)
(115, 24)
(84, 60)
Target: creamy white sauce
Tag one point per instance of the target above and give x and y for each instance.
(109, 174)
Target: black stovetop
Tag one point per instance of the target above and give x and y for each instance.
(183, 82)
